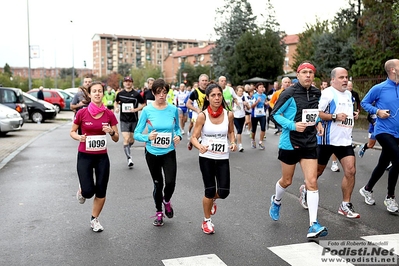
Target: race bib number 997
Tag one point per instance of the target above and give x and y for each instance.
(96, 143)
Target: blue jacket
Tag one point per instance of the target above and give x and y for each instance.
(386, 97)
(288, 110)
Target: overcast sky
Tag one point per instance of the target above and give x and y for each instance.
(57, 38)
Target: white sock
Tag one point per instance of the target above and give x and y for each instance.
(207, 220)
(279, 193)
(313, 204)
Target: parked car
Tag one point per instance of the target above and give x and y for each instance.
(10, 120)
(68, 97)
(12, 97)
(39, 110)
(72, 91)
(52, 96)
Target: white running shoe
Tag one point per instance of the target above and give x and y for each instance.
(240, 148)
(79, 196)
(334, 166)
(368, 196)
(392, 205)
(182, 132)
(130, 163)
(348, 211)
(96, 226)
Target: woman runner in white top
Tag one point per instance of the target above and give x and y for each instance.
(215, 126)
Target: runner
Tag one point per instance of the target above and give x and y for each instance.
(162, 121)
(95, 122)
(131, 102)
(259, 115)
(216, 128)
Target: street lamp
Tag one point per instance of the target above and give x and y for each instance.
(182, 59)
(73, 60)
(29, 69)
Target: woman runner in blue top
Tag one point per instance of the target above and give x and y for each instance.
(162, 120)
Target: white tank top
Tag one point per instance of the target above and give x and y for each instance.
(215, 137)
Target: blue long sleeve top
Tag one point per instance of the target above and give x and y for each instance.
(162, 121)
(386, 97)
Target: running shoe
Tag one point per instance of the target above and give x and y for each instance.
(302, 196)
(189, 146)
(392, 205)
(361, 151)
(348, 211)
(182, 132)
(368, 196)
(277, 133)
(96, 226)
(316, 230)
(274, 210)
(79, 197)
(389, 166)
(208, 227)
(253, 144)
(261, 147)
(168, 209)
(214, 207)
(240, 148)
(334, 166)
(159, 219)
(130, 163)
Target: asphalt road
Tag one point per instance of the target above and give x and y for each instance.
(43, 224)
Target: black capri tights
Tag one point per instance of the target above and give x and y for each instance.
(215, 173)
(89, 164)
(168, 163)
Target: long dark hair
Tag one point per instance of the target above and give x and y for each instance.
(208, 90)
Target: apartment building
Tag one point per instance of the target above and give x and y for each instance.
(291, 42)
(110, 51)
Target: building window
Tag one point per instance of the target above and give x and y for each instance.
(286, 62)
(287, 49)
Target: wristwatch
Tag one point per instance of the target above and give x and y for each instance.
(333, 117)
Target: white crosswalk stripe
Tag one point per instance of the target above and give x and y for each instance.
(310, 253)
(303, 254)
(201, 260)
(380, 240)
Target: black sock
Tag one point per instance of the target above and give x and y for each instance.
(92, 218)
(365, 147)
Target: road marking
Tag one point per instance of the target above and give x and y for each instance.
(303, 254)
(383, 238)
(201, 260)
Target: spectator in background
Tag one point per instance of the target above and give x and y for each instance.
(40, 94)
(81, 99)
(355, 97)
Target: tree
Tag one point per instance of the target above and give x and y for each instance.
(140, 75)
(379, 38)
(305, 49)
(263, 58)
(236, 18)
(7, 70)
(124, 69)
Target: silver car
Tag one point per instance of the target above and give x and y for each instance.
(10, 120)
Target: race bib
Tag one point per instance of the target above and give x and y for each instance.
(109, 103)
(218, 146)
(96, 143)
(182, 104)
(259, 111)
(309, 116)
(163, 140)
(126, 107)
(349, 122)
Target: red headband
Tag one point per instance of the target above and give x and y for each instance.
(306, 65)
